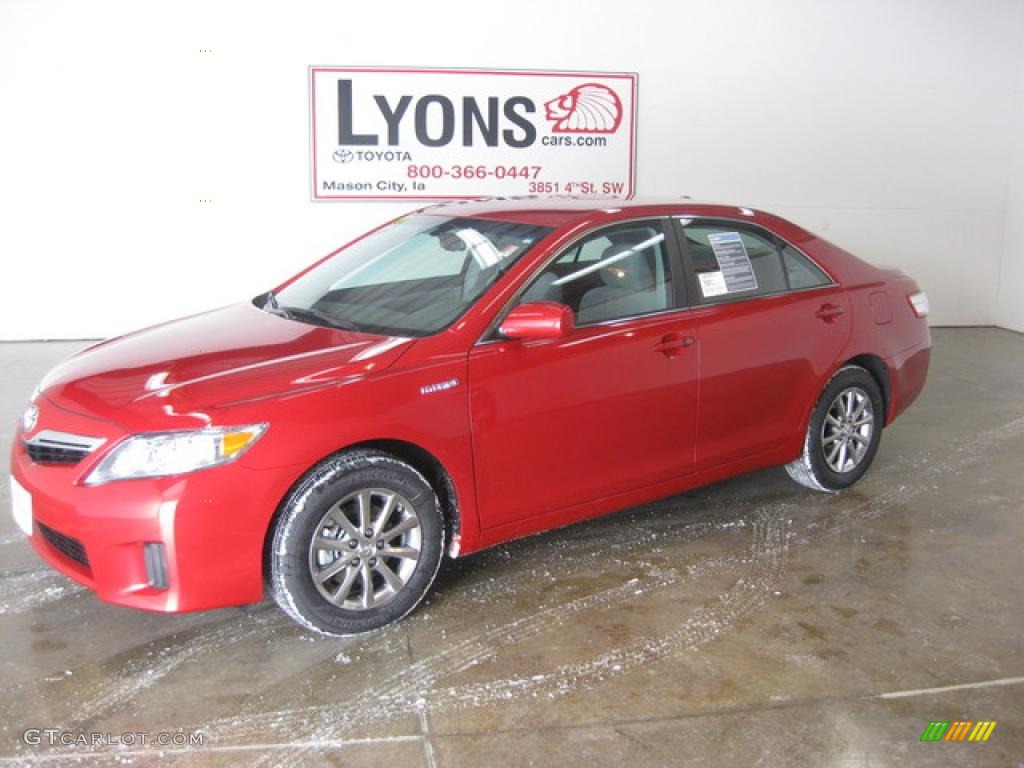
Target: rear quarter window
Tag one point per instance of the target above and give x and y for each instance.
(801, 271)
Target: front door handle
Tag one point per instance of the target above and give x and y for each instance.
(829, 312)
(673, 344)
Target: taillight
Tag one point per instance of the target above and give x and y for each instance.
(919, 303)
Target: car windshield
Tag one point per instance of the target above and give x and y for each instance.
(413, 277)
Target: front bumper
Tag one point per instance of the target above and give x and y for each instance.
(205, 530)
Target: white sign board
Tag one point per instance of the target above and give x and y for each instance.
(421, 134)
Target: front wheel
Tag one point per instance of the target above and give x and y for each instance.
(843, 434)
(357, 544)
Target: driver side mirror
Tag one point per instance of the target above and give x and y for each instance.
(538, 320)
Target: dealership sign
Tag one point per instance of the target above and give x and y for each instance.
(393, 134)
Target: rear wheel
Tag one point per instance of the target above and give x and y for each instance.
(844, 432)
(357, 544)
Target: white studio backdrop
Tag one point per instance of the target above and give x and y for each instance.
(154, 158)
(1009, 311)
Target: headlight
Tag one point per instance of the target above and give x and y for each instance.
(173, 453)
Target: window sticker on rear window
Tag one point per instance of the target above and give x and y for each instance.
(731, 254)
(712, 284)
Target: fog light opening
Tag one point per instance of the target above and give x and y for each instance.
(155, 555)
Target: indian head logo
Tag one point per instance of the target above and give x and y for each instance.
(587, 108)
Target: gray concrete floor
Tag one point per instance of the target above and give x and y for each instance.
(748, 623)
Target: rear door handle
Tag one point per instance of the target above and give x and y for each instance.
(673, 343)
(829, 312)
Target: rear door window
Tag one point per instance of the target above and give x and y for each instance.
(733, 260)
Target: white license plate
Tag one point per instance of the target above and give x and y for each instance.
(21, 506)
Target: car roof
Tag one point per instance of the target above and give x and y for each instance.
(556, 211)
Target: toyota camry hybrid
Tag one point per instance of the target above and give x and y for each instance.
(456, 378)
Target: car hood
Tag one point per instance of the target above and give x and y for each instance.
(216, 359)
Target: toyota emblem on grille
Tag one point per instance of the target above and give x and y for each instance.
(29, 418)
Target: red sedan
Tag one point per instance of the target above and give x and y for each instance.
(457, 378)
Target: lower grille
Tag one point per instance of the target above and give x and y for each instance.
(66, 545)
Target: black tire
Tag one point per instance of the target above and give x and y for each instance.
(342, 486)
(822, 466)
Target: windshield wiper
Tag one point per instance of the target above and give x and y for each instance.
(303, 314)
(316, 316)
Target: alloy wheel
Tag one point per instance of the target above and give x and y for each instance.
(847, 429)
(365, 549)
